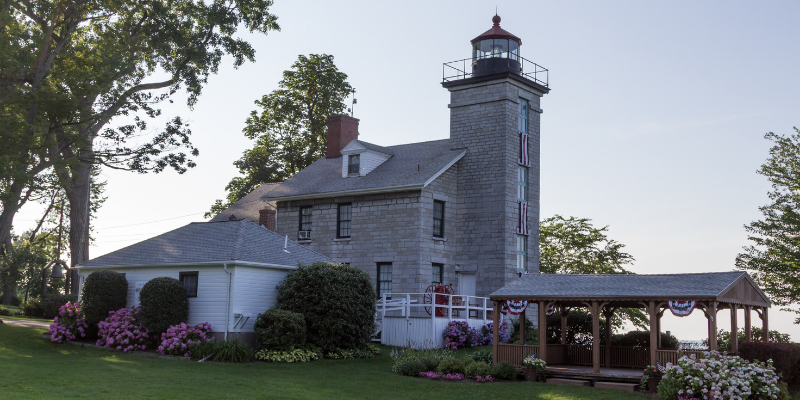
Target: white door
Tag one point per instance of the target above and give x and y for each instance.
(466, 286)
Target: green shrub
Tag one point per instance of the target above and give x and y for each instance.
(47, 306)
(337, 301)
(164, 303)
(452, 366)
(785, 357)
(431, 363)
(278, 329)
(477, 369)
(784, 393)
(233, 351)
(295, 355)
(342, 354)
(103, 292)
(410, 367)
(504, 370)
(668, 389)
(484, 356)
(202, 350)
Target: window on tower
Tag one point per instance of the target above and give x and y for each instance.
(522, 253)
(522, 183)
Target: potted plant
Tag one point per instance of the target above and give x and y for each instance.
(533, 368)
(654, 375)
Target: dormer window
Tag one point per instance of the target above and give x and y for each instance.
(354, 164)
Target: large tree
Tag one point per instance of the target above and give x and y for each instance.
(290, 128)
(70, 67)
(774, 254)
(574, 246)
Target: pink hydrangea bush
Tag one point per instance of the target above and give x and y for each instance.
(438, 375)
(486, 333)
(68, 325)
(459, 334)
(716, 376)
(484, 379)
(179, 338)
(123, 331)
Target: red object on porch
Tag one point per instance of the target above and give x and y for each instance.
(440, 293)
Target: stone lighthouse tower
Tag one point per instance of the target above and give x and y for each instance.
(494, 114)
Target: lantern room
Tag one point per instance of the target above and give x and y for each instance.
(496, 50)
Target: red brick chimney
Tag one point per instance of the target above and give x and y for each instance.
(341, 130)
(266, 217)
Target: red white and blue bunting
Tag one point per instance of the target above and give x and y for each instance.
(523, 217)
(516, 307)
(682, 308)
(523, 148)
(551, 310)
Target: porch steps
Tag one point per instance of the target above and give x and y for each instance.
(568, 382)
(630, 387)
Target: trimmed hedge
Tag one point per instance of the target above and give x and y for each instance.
(337, 301)
(164, 303)
(278, 329)
(785, 357)
(642, 339)
(103, 292)
(47, 306)
(504, 370)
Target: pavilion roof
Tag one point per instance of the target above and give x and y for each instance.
(729, 287)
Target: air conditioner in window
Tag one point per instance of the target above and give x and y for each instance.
(304, 235)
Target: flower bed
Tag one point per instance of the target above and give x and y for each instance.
(68, 325)
(123, 331)
(715, 376)
(459, 334)
(178, 338)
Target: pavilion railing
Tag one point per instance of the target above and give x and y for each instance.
(621, 356)
(514, 353)
(672, 356)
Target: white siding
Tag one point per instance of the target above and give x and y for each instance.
(418, 332)
(369, 161)
(255, 292)
(208, 306)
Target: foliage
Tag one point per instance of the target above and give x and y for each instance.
(122, 330)
(337, 301)
(724, 337)
(774, 253)
(476, 369)
(179, 339)
(441, 375)
(290, 129)
(642, 339)
(68, 325)
(343, 354)
(20, 262)
(483, 356)
(537, 363)
(722, 377)
(232, 350)
(486, 333)
(47, 306)
(459, 334)
(653, 370)
(103, 292)
(164, 303)
(452, 365)
(785, 357)
(409, 367)
(504, 370)
(427, 355)
(667, 389)
(530, 329)
(289, 356)
(278, 329)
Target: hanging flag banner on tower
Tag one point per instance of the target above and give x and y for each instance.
(516, 307)
(682, 308)
(523, 217)
(523, 148)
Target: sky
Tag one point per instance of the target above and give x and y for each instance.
(654, 125)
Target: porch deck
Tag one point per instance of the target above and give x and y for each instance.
(580, 372)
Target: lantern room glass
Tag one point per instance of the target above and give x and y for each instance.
(495, 48)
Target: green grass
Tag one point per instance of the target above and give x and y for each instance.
(32, 367)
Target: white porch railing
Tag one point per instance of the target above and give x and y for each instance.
(414, 319)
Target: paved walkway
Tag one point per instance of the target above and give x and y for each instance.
(27, 323)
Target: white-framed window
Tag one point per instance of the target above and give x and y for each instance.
(190, 282)
(522, 183)
(522, 253)
(343, 218)
(523, 116)
(437, 270)
(305, 218)
(354, 164)
(438, 218)
(384, 279)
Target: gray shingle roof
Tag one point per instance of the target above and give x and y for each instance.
(247, 207)
(410, 164)
(239, 240)
(669, 286)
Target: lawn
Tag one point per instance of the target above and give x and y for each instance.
(32, 367)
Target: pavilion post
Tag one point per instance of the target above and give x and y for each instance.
(542, 330)
(495, 329)
(712, 325)
(748, 332)
(608, 314)
(595, 337)
(734, 329)
(765, 326)
(564, 314)
(522, 332)
(651, 310)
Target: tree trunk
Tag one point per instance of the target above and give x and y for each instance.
(11, 205)
(79, 195)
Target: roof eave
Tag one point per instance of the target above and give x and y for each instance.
(188, 264)
(357, 192)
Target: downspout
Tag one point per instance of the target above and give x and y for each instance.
(227, 300)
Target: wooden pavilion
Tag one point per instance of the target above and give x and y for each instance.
(605, 294)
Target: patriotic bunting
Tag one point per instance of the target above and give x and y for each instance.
(682, 308)
(516, 307)
(523, 148)
(523, 217)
